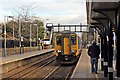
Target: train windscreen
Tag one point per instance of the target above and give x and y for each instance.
(73, 40)
(46, 40)
(58, 40)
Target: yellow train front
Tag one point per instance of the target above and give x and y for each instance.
(67, 47)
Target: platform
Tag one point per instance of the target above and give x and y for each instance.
(17, 57)
(83, 68)
(11, 62)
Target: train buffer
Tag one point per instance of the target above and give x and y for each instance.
(83, 69)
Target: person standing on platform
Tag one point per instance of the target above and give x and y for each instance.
(94, 52)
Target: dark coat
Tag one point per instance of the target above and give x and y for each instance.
(94, 51)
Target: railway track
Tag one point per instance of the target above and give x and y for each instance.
(52, 72)
(24, 70)
(42, 69)
(60, 73)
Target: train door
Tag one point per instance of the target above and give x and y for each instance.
(66, 43)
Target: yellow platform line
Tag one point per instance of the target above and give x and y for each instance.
(96, 76)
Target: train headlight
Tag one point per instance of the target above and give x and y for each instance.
(73, 51)
(58, 51)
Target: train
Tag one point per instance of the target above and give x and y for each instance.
(46, 43)
(67, 47)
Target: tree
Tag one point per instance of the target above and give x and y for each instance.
(1, 30)
(9, 29)
(24, 17)
(24, 12)
(25, 29)
(40, 28)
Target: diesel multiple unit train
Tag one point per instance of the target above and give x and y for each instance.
(67, 47)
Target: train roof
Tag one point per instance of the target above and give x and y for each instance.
(66, 32)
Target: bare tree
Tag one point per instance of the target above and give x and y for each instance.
(24, 12)
(24, 17)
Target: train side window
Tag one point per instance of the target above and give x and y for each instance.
(73, 40)
(58, 40)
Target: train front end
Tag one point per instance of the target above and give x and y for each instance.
(67, 48)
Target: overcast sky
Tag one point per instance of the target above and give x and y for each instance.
(57, 11)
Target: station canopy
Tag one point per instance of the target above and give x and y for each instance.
(95, 6)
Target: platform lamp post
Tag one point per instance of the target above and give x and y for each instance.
(37, 36)
(13, 19)
(30, 37)
(37, 33)
(6, 17)
(30, 20)
(13, 30)
(4, 36)
(37, 18)
(19, 26)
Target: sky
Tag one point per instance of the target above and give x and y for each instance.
(50, 11)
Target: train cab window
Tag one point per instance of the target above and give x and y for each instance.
(46, 40)
(58, 40)
(73, 40)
